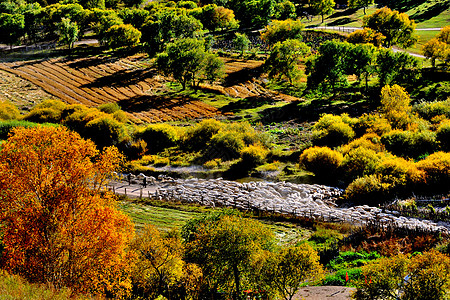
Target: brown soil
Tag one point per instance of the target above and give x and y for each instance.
(324, 292)
(21, 92)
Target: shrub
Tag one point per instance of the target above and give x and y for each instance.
(122, 35)
(322, 161)
(437, 170)
(423, 276)
(410, 143)
(213, 164)
(395, 105)
(399, 171)
(443, 135)
(48, 111)
(339, 278)
(336, 134)
(8, 111)
(254, 155)
(226, 145)
(331, 130)
(429, 110)
(359, 162)
(198, 136)
(105, 132)
(109, 108)
(369, 189)
(368, 141)
(159, 137)
(76, 117)
(120, 116)
(372, 123)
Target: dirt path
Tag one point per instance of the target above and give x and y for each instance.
(324, 292)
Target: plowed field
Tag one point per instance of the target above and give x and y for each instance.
(93, 81)
(137, 88)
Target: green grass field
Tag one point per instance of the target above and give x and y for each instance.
(170, 216)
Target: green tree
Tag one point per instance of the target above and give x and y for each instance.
(396, 27)
(360, 3)
(251, 13)
(225, 246)
(186, 60)
(361, 61)
(329, 66)
(168, 25)
(395, 67)
(68, 32)
(12, 28)
(122, 35)
(284, 10)
(323, 7)
(287, 270)
(285, 58)
(241, 42)
(103, 20)
(279, 31)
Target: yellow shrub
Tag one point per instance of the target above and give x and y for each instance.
(399, 171)
(213, 164)
(437, 169)
(443, 135)
(372, 123)
(254, 155)
(8, 111)
(159, 137)
(359, 162)
(369, 189)
(322, 161)
(369, 141)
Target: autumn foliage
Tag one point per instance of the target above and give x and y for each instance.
(58, 226)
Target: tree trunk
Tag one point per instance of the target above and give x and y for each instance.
(236, 281)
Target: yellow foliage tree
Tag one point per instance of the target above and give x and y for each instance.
(58, 226)
(395, 105)
(159, 263)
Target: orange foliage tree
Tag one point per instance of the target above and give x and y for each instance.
(58, 226)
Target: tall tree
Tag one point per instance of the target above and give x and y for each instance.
(396, 27)
(188, 62)
(279, 31)
(58, 226)
(12, 28)
(225, 246)
(359, 4)
(323, 7)
(68, 32)
(287, 270)
(285, 58)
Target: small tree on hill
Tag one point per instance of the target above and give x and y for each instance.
(68, 32)
(279, 31)
(323, 7)
(241, 42)
(187, 60)
(122, 35)
(396, 27)
(12, 28)
(284, 59)
(359, 4)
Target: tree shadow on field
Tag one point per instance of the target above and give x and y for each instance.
(122, 78)
(431, 12)
(243, 75)
(248, 103)
(89, 62)
(347, 12)
(341, 21)
(400, 5)
(147, 102)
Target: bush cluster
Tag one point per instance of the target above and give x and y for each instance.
(378, 150)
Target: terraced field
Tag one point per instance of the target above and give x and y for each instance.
(94, 81)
